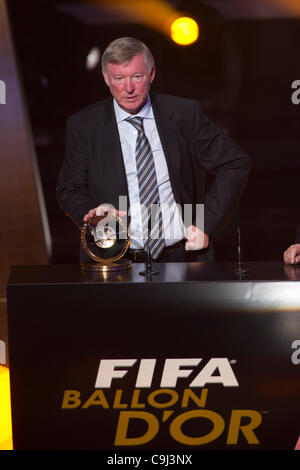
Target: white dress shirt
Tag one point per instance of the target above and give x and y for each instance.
(173, 226)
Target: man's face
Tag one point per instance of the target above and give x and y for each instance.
(129, 83)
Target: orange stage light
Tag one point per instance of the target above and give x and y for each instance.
(184, 31)
(157, 14)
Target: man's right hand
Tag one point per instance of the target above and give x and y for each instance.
(292, 254)
(102, 211)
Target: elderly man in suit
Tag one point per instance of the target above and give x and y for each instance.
(150, 148)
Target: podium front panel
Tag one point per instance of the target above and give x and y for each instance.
(193, 359)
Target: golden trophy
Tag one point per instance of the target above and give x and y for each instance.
(105, 239)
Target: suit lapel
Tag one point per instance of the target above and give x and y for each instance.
(168, 133)
(111, 145)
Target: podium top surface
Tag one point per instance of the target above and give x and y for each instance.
(167, 273)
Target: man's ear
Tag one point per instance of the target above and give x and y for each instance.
(152, 74)
(105, 77)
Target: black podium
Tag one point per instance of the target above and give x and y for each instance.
(196, 358)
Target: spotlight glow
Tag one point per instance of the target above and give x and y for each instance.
(93, 58)
(184, 31)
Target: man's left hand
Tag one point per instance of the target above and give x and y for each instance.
(196, 239)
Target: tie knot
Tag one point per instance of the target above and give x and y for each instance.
(137, 122)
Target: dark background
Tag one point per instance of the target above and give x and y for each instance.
(241, 70)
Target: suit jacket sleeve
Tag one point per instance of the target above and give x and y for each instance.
(219, 154)
(72, 184)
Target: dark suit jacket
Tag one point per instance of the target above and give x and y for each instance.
(93, 171)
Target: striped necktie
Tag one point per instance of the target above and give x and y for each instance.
(148, 189)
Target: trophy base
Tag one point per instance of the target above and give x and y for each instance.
(120, 265)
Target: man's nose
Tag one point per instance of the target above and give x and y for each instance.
(129, 86)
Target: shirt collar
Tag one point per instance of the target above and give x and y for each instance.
(146, 111)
